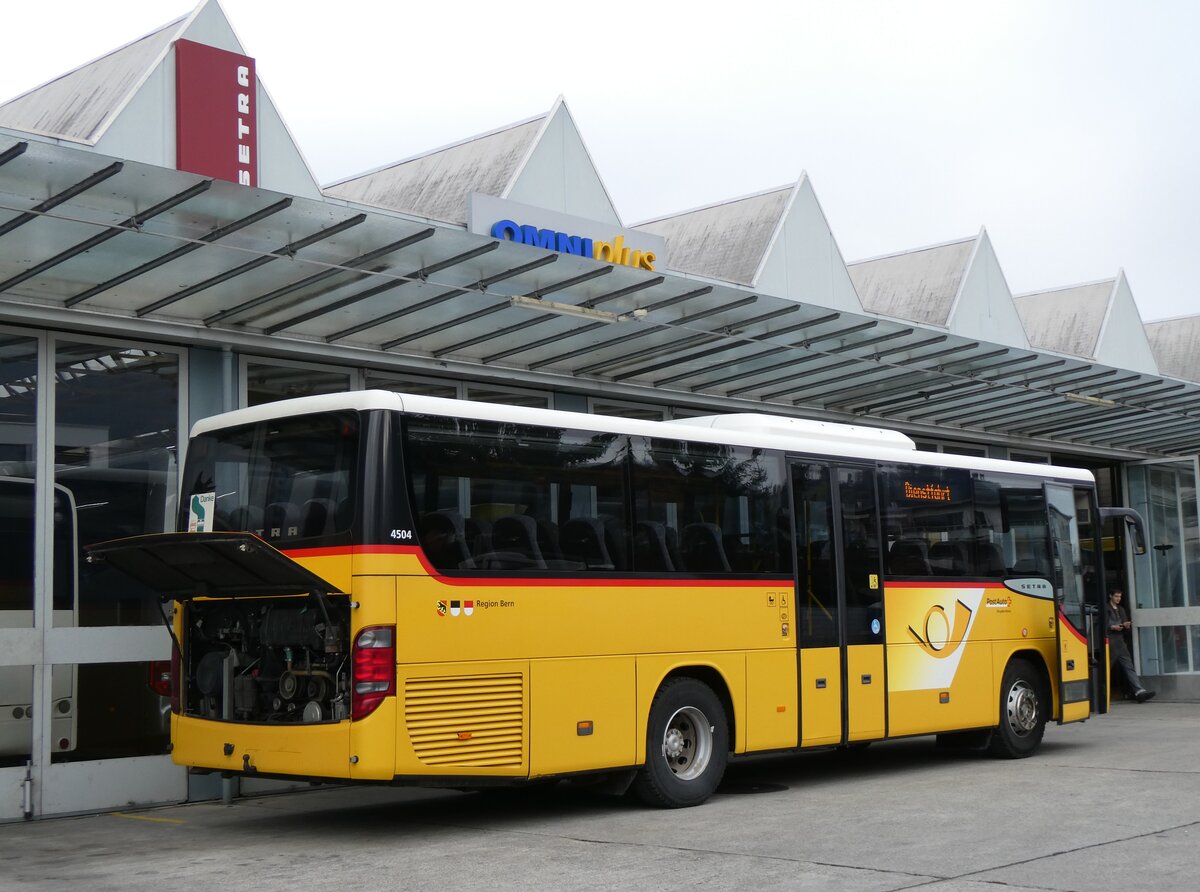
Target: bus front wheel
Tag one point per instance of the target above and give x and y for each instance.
(687, 745)
(1022, 712)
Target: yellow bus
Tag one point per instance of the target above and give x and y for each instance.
(381, 587)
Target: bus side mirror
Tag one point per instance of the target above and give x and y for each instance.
(1134, 525)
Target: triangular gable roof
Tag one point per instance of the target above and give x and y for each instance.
(81, 104)
(1066, 320)
(777, 242)
(1176, 346)
(918, 285)
(122, 104)
(727, 241)
(1097, 320)
(958, 285)
(541, 161)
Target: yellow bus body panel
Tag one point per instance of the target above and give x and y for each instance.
(772, 719)
(584, 715)
(820, 696)
(865, 692)
(302, 750)
(947, 649)
(463, 719)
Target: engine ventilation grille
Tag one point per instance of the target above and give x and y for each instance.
(466, 721)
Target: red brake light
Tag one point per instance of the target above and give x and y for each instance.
(374, 660)
(160, 677)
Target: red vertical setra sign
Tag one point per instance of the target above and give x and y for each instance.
(216, 114)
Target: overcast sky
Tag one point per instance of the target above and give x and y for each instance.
(1070, 130)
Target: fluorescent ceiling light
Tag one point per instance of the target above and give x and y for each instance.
(561, 309)
(1090, 400)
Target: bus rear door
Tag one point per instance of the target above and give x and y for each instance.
(839, 604)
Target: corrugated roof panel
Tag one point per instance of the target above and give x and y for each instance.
(77, 105)
(726, 241)
(436, 185)
(1068, 320)
(919, 286)
(1176, 346)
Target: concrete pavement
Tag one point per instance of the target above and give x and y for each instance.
(1113, 803)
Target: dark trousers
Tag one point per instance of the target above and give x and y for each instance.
(1122, 666)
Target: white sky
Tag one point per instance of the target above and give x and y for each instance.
(1070, 129)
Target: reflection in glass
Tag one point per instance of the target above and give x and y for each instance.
(419, 386)
(1169, 574)
(120, 712)
(16, 715)
(18, 407)
(115, 440)
(268, 383)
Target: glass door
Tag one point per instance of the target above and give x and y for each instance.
(1165, 601)
(1071, 616)
(839, 604)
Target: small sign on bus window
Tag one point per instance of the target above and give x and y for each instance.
(200, 512)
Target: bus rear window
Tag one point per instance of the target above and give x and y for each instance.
(290, 481)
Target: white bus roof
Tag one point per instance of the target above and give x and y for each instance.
(793, 435)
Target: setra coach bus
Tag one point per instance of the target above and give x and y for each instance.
(381, 587)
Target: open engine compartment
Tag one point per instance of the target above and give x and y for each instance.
(283, 660)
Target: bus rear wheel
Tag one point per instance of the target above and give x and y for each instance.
(1022, 712)
(687, 746)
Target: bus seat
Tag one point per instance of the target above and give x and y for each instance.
(583, 540)
(518, 533)
(616, 540)
(650, 547)
(248, 518)
(703, 550)
(949, 558)
(318, 517)
(281, 516)
(441, 535)
(988, 559)
(909, 557)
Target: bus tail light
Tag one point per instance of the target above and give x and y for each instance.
(374, 661)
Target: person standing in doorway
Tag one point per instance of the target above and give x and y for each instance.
(1122, 662)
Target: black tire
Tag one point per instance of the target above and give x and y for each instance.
(1023, 705)
(687, 746)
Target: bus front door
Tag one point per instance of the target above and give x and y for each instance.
(839, 604)
(1073, 621)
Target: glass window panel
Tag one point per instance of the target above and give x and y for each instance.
(403, 384)
(115, 441)
(708, 508)
(493, 496)
(1167, 541)
(1195, 648)
(510, 397)
(18, 414)
(16, 715)
(930, 521)
(816, 592)
(629, 410)
(108, 711)
(266, 383)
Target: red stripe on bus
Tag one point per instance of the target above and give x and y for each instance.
(1063, 621)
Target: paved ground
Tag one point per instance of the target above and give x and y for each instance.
(1111, 804)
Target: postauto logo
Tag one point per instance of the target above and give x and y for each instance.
(614, 251)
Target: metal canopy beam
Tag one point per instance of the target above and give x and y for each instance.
(13, 151)
(350, 267)
(1085, 419)
(531, 323)
(132, 224)
(561, 336)
(730, 330)
(652, 328)
(182, 250)
(288, 250)
(422, 275)
(487, 311)
(867, 402)
(64, 196)
(741, 360)
(937, 407)
(1185, 427)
